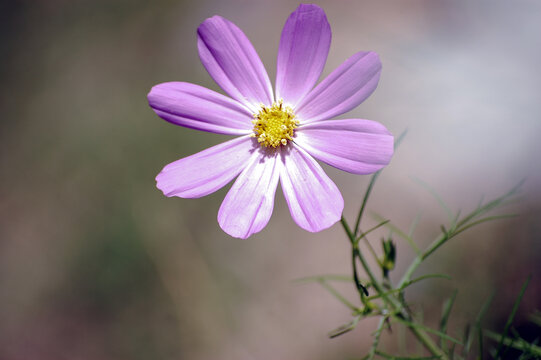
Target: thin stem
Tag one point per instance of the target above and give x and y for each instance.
(364, 237)
(347, 229)
(428, 343)
(365, 200)
(511, 316)
(360, 288)
(522, 346)
(371, 185)
(401, 233)
(442, 239)
(377, 336)
(419, 258)
(357, 253)
(371, 249)
(393, 303)
(374, 281)
(409, 272)
(337, 295)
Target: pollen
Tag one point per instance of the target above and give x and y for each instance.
(274, 126)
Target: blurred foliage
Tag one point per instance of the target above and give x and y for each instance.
(389, 303)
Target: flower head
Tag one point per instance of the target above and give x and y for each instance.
(274, 126)
(278, 136)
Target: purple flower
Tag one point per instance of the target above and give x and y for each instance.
(278, 136)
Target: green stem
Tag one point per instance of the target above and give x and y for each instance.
(377, 336)
(365, 201)
(360, 288)
(374, 281)
(440, 240)
(428, 343)
(371, 249)
(522, 346)
(421, 257)
(392, 302)
(346, 228)
(339, 296)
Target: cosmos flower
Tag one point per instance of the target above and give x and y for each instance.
(278, 135)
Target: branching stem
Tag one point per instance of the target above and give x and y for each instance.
(389, 299)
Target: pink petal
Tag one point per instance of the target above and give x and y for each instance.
(233, 63)
(344, 89)
(196, 107)
(353, 145)
(248, 206)
(304, 46)
(207, 171)
(314, 200)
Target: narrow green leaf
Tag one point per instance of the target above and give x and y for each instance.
(446, 311)
(414, 224)
(457, 216)
(377, 335)
(401, 137)
(392, 357)
(480, 221)
(371, 185)
(480, 339)
(477, 323)
(345, 328)
(427, 329)
(368, 245)
(512, 316)
(527, 346)
(525, 356)
(438, 198)
(535, 318)
(451, 352)
(325, 277)
(521, 345)
(447, 306)
(462, 225)
(424, 277)
(398, 231)
(347, 229)
(354, 254)
(483, 209)
(383, 294)
(481, 199)
(382, 223)
(338, 296)
(484, 310)
(365, 201)
(465, 338)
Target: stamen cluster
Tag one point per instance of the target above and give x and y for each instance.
(275, 125)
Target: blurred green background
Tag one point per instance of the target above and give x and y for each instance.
(95, 263)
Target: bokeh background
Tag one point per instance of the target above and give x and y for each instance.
(95, 263)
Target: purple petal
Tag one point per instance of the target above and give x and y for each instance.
(247, 207)
(233, 63)
(314, 200)
(344, 89)
(207, 171)
(353, 145)
(304, 46)
(196, 107)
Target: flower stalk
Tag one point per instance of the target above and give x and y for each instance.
(390, 301)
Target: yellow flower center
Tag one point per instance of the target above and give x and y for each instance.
(275, 125)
